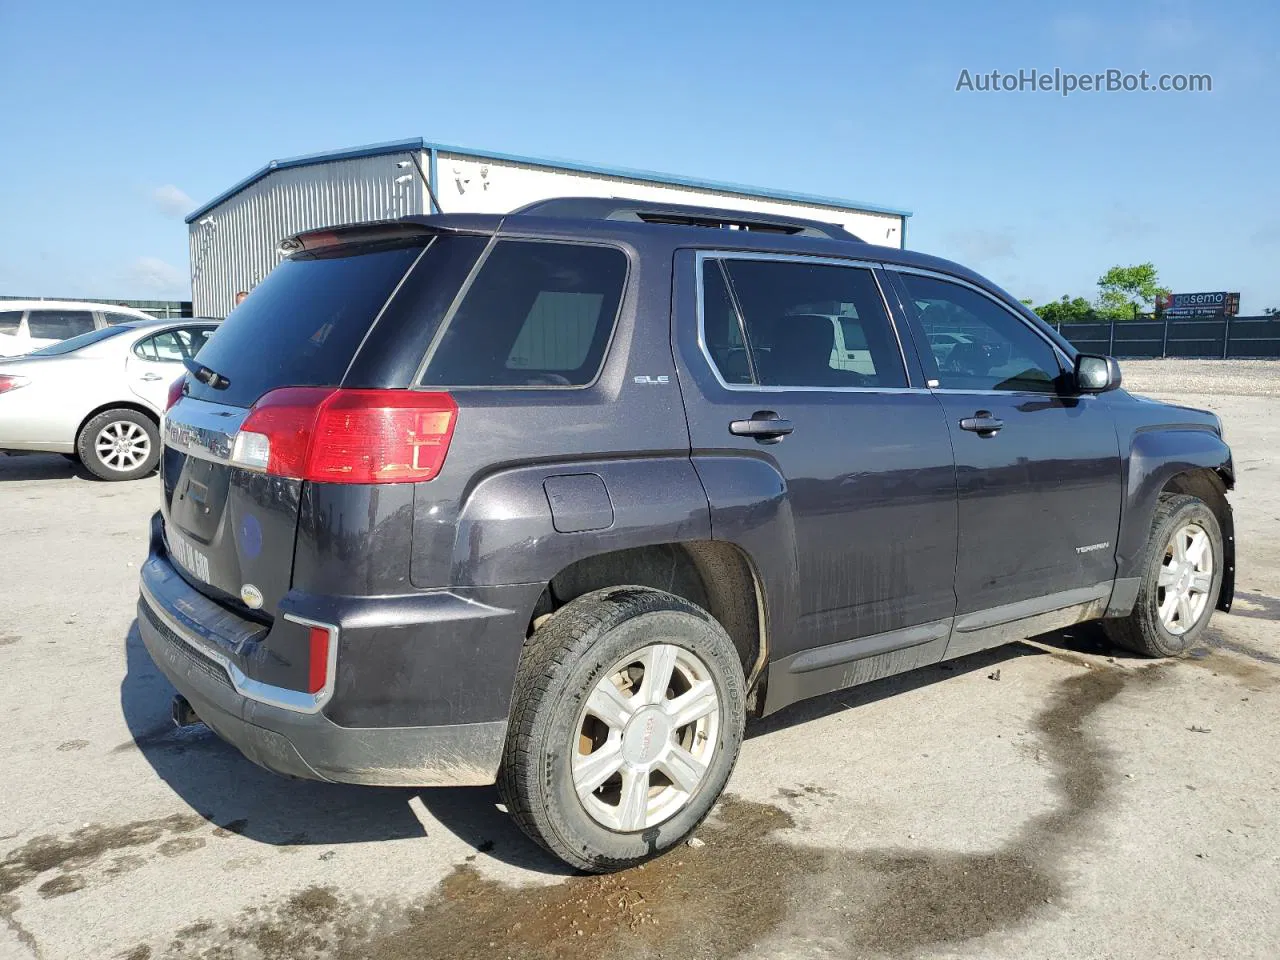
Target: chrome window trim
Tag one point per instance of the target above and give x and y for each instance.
(701, 256)
(1066, 362)
(297, 701)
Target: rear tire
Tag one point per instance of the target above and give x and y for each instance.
(1182, 576)
(119, 444)
(601, 768)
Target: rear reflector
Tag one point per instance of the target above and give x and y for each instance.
(318, 665)
(347, 436)
(12, 383)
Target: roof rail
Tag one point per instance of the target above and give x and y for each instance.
(641, 211)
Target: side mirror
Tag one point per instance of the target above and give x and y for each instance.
(1096, 374)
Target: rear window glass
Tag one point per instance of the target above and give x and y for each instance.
(10, 320)
(537, 314)
(75, 343)
(58, 324)
(303, 324)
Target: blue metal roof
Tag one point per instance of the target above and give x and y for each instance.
(650, 176)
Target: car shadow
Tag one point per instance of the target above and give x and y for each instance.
(1258, 606)
(40, 466)
(214, 779)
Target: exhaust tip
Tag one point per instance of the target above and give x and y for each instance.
(184, 715)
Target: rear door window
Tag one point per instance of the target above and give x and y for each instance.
(303, 324)
(10, 320)
(806, 324)
(59, 324)
(537, 314)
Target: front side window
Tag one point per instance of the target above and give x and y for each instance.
(806, 324)
(977, 344)
(537, 314)
(58, 324)
(10, 320)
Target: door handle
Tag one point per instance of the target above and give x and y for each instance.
(764, 425)
(151, 376)
(982, 423)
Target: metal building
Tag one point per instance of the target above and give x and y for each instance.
(234, 237)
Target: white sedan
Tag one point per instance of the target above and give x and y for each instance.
(27, 325)
(98, 397)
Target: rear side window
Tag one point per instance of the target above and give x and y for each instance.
(303, 324)
(806, 325)
(113, 318)
(10, 320)
(537, 314)
(59, 324)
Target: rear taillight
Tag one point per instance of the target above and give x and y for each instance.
(347, 436)
(175, 392)
(12, 383)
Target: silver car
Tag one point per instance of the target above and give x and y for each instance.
(98, 397)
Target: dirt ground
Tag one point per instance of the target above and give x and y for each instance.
(1052, 799)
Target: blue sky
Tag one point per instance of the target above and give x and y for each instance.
(121, 117)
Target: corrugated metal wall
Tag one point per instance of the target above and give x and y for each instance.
(233, 247)
(476, 185)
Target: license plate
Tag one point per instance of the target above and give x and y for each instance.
(185, 553)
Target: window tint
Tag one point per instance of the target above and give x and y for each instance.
(537, 314)
(10, 320)
(114, 318)
(722, 329)
(813, 325)
(977, 344)
(59, 324)
(75, 343)
(303, 324)
(173, 346)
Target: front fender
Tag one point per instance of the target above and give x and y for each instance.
(1155, 457)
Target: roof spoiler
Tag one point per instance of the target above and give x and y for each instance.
(618, 208)
(375, 231)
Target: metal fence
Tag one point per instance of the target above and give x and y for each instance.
(1237, 338)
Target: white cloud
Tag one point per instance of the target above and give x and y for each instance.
(1168, 34)
(151, 275)
(981, 246)
(172, 201)
(1121, 223)
(1076, 30)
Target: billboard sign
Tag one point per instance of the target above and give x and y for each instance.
(1197, 306)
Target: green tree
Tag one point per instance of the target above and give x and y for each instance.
(1124, 290)
(1066, 310)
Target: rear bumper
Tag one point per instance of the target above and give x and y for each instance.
(194, 642)
(310, 745)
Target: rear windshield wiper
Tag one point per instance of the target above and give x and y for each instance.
(206, 375)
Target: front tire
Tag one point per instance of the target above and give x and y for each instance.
(119, 444)
(627, 718)
(1180, 583)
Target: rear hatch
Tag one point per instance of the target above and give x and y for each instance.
(231, 530)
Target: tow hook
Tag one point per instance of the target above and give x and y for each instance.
(184, 715)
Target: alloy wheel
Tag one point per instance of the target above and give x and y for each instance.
(645, 738)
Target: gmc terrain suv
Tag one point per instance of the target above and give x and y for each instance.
(558, 499)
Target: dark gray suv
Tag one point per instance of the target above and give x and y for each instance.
(560, 498)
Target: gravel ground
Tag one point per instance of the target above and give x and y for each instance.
(1055, 799)
(1180, 378)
